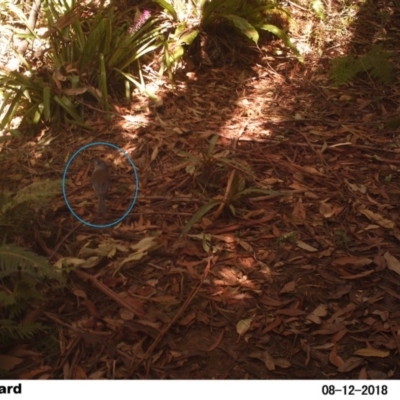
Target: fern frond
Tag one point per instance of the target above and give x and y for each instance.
(375, 63)
(7, 299)
(10, 330)
(40, 192)
(16, 259)
(344, 69)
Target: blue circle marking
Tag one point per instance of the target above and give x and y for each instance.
(134, 172)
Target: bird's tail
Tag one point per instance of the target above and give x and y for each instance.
(102, 205)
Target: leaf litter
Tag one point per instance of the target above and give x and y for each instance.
(300, 271)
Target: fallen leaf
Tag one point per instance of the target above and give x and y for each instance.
(79, 293)
(305, 246)
(352, 261)
(320, 311)
(326, 210)
(291, 312)
(282, 363)
(289, 287)
(375, 217)
(243, 326)
(312, 170)
(334, 358)
(268, 361)
(350, 364)
(392, 262)
(368, 352)
(299, 213)
(357, 188)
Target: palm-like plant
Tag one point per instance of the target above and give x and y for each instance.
(186, 19)
(84, 53)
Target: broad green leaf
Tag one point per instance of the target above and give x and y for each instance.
(284, 37)
(212, 6)
(67, 105)
(47, 103)
(167, 6)
(103, 83)
(245, 27)
(188, 37)
(200, 214)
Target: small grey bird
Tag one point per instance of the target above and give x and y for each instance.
(101, 182)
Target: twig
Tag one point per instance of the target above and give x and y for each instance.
(230, 180)
(172, 322)
(108, 291)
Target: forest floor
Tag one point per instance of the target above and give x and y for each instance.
(292, 269)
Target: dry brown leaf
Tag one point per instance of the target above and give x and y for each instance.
(326, 210)
(312, 170)
(97, 375)
(187, 319)
(375, 217)
(392, 262)
(269, 301)
(91, 307)
(291, 312)
(245, 245)
(282, 362)
(320, 311)
(268, 361)
(306, 246)
(350, 364)
(329, 329)
(273, 325)
(325, 346)
(339, 335)
(166, 299)
(272, 181)
(384, 314)
(363, 373)
(346, 275)
(217, 342)
(343, 311)
(71, 261)
(276, 232)
(352, 261)
(243, 326)
(334, 358)
(79, 293)
(299, 213)
(368, 352)
(126, 315)
(79, 373)
(289, 287)
(357, 188)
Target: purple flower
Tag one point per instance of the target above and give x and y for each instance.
(140, 21)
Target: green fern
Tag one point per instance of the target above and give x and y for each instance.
(36, 193)
(10, 330)
(25, 277)
(375, 63)
(16, 210)
(15, 259)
